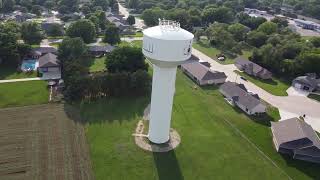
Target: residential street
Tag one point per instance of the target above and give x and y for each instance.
(139, 22)
(295, 105)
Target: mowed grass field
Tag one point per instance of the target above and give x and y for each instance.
(218, 141)
(274, 86)
(23, 93)
(42, 142)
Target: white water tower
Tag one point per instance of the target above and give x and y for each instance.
(166, 46)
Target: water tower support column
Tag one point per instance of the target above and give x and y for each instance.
(163, 88)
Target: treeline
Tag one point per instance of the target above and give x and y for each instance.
(126, 73)
(122, 84)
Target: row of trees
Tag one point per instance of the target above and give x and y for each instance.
(126, 72)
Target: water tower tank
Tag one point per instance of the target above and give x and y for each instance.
(166, 46)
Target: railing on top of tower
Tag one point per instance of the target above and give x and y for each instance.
(169, 24)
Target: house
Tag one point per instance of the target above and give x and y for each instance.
(202, 75)
(238, 94)
(49, 66)
(252, 69)
(46, 49)
(297, 139)
(99, 51)
(307, 83)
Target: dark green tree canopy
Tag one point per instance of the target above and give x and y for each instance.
(131, 20)
(82, 28)
(112, 34)
(31, 33)
(71, 48)
(126, 59)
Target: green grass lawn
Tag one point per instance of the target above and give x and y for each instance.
(212, 52)
(314, 96)
(23, 93)
(98, 64)
(274, 86)
(8, 72)
(137, 34)
(218, 141)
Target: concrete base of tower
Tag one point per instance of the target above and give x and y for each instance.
(144, 143)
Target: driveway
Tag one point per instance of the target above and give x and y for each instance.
(298, 105)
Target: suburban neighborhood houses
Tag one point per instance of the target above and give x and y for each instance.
(296, 138)
(239, 95)
(202, 74)
(235, 89)
(252, 68)
(309, 83)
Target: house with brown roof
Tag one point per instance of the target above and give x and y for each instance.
(202, 75)
(239, 95)
(49, 66)
(252, 68)
(297, 139)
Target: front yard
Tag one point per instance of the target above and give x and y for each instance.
(8, 72)
(23, 93)
(274, 86)
(212, 52)
(98, 64)
(218, 140)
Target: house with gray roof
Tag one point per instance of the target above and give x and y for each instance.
(45, 50)
(307, 83)
(252, 68)
(239, 95)
(297, 139)
(202, 75)
(49, 66)
(99, 51)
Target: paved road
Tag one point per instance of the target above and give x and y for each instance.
(139, 22)
(29, 79)
(298, 105)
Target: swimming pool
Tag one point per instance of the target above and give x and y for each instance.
(29, 65)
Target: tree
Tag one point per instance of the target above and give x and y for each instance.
(133, 4)
(8, 45)
(131, 20)
(112, 35)
(182, 16)
(103, 3)
(309, 62)
(256, 38)
(71, 49)
(238, 31)
(151, 16)
(82, 28)
(268, 28)
(251, 22)
(49, 4)
(7, 5)
(315, 41)
(115, 8)
(26, 3)
(126, 59)
(31, 33)
(55, 30)
(36, 9)
(280, 22)
(219, 14)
